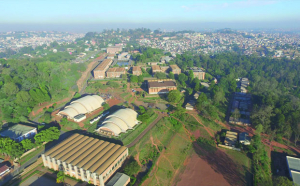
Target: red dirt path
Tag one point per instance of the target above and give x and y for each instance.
(199, 172)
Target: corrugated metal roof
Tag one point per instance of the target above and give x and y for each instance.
(16, 131)
(119, 179)
(86, 152)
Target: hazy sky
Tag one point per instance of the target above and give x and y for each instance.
(149, 12)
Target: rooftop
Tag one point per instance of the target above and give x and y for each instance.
(294, 166)
(116, 69)
(3, 168)
(104, 64)
(86, 152)
(174, 67)
(16, 131)
(196, 69)
(161, 83)
(155, 67)
(136, 68)
(118, 180)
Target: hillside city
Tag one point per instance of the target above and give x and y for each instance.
(149, 107)
(262, 43)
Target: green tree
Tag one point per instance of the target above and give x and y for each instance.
(160, 75)
(140, 79)
(10, 89)
(174, 96)
(133, 79)
(191, 76)
(47, 135)
(132, 168)
(182, 77)
(23, 98)
(106, 106)
(282, 181)
(60, 177)
(27, 144)
(171, 75)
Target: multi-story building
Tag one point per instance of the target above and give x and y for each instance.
(175, 69)
(155, 69)
(99, 71)
(198, 73)
(136, 70)
(164, 69)
(86, 158)
(110, 56)
(114, 49)
(161, 86)
(19, 132)
(124, 56)
(115, 72)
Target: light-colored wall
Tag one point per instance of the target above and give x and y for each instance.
(79, 173)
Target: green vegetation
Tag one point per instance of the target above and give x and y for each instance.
(28, 83)
(128, 137)
(60, 177)
(13, 149)
(27, 157)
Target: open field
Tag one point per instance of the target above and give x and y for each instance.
(129, 136)
(167, 147)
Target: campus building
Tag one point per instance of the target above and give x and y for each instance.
(99, 71)
(294, 169)
(198, 73)
(136, 70)
(81, 106)
(19, 132)
(115, 72)
(161, 86)
(114, 49)
(119, 122)
(86, 158)
(175, 69)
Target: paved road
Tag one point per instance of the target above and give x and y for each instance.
(146, 130)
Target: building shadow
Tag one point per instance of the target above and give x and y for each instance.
(221, 163)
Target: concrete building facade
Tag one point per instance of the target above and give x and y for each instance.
(137, 71)
(175, 69)
(86, 158)
(115, 72)
(198, 73)
(114, 49)
(99, 71)
(161, 86)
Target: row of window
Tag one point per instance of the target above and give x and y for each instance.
(120, 160)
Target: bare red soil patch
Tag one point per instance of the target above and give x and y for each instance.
(114, 101)
(196, 134)
(200, 172)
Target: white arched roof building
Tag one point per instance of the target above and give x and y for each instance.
(119, 121)
(83, 105)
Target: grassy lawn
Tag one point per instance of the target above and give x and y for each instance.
(176, 148)
(31, 155)
(211, 124)
(128, 137)
(176, 152)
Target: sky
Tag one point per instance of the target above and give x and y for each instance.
(164, 14)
